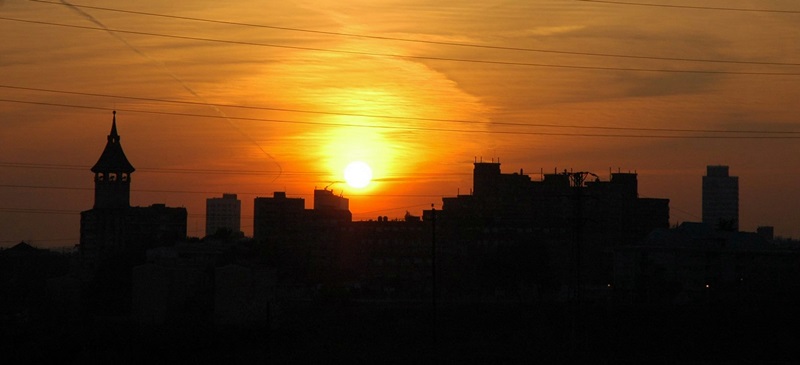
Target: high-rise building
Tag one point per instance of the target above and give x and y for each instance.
(721, 199)
(275, 215)
(326, 200)
(223, 213)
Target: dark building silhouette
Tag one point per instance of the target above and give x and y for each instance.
(517, 237)
(721, 199)
(694, 263)
(513, 238)
(330, 210)
(390, 259)
(306, 243)
(113, 227)
(281, 215)
(223, 214)
(206, 281)
(565, 269)
(768, 232)
(276, 215)
(325, 200)
(24, 272)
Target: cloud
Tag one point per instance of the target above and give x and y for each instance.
(551, 30)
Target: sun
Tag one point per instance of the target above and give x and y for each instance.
(358, 174)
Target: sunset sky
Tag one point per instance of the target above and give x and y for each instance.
(252, 97)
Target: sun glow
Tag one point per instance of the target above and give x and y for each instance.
(358, 174)
(373, 112)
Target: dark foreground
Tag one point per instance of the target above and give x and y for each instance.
(328, 332)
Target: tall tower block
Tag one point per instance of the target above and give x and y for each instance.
(721, 199)
(486, 179)
(223, 213)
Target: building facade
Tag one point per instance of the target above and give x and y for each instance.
(276, 215)
(223, 213)
(721, 199)
(517, 237)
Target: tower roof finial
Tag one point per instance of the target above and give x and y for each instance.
(114, 134)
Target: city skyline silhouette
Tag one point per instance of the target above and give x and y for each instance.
(590, 254)
(113, 155)
(399, 182)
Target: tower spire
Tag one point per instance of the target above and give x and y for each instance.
(112, 173)
(113, 137)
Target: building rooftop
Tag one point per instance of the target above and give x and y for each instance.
(113, 158)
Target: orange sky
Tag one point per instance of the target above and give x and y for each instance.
(248, 108)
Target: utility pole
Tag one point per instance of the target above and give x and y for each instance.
(433, 277)
(578, 179)
(576, 333)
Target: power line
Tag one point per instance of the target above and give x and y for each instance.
(148, 169)
(133, 190)
(462, 121)
(39, 211)
(241, 106)
(186, 171)
(390, 55)
(40, 240)
(399, 39)
(189, 215)
(425, 129)
(693, 7)
(408, 128)
(23, 186)
(74, 212)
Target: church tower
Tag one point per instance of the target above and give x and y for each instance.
(112, 174)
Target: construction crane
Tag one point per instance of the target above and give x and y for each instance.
(578, 178)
